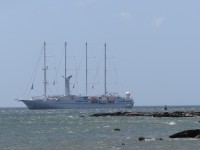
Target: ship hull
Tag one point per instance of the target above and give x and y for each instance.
(63, 104)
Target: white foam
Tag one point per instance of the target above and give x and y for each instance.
(172, 123)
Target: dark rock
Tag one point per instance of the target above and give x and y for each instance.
(149, 139)
(141, 138)
(123, 143)
(82, 116)
(163, 114)
(186, 134)
(151, 114)
(117, 129)
(197, 137)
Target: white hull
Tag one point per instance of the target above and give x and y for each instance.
(73, 104)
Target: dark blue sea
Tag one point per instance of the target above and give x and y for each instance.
(23, 129)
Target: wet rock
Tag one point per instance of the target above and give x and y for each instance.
(117, 129)
(141, 138)
(186, 134)
(197, 137)
(149, 139)
(151, 114)
(164, 114)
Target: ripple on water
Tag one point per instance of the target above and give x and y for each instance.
(64, 129)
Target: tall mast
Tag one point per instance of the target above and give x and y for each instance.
(86, 68)
(45, 72)
(105, 88)
(65, 69)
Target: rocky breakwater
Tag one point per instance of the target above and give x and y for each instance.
(150, 114)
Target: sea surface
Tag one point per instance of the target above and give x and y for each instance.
(23, 129)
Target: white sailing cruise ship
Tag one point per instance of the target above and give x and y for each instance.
(69, 101)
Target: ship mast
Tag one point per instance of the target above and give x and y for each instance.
(45, 73)
(105, 88)
(67, 87)
(65, 69)
(86, 69)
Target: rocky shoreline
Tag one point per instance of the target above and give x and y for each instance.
(150, 114)
(192, 133)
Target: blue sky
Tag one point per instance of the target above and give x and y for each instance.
(155, 44)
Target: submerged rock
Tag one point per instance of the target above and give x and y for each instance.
(187, 134)
(149, 139)
(141, 138)
(117, 129)
(159, 139)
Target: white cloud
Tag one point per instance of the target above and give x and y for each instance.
(124, 15)
(157, 22)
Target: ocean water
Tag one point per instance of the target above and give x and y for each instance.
(23, 129)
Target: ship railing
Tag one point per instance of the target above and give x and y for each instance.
(43, 98)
